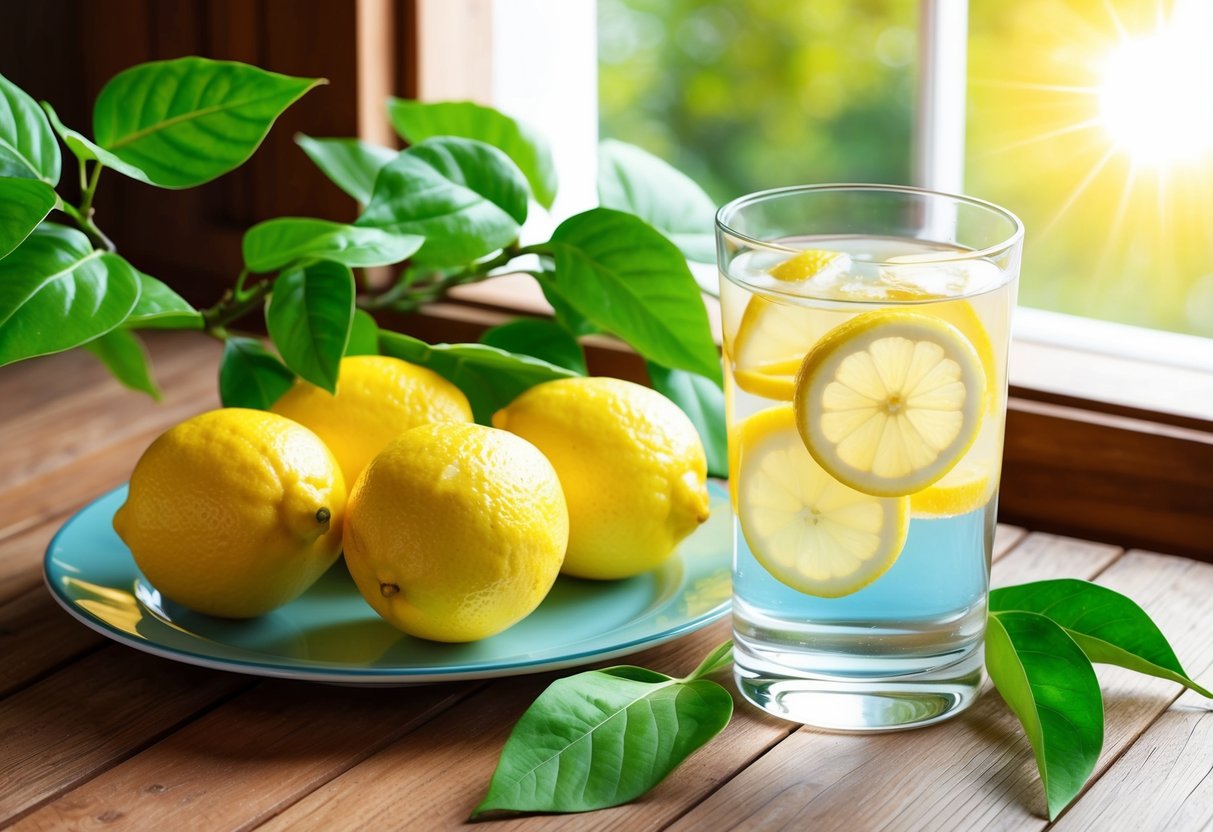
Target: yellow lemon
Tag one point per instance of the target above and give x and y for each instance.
(234, 512)
(631, 465)
(889, 401)
(808, 530)
(810, 263)
(378, 398)
(770, 345)
(456, 531)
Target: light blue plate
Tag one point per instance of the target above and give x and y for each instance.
(329, 634)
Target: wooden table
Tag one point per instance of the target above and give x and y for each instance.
(97, 735)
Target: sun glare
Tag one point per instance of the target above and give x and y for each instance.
(1154, 98)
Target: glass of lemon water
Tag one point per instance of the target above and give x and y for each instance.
(865, 344)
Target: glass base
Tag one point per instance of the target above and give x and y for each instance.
(861, 705)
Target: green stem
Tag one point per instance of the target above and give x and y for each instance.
(409, 297)
(90, 190)
(232, 307)
(85, 223)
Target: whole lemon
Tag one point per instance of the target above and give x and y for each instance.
(456, 531)
(234, 512)
(378, 398)
(631, 465)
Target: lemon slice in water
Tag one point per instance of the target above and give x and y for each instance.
(770, 345)
(808, 530)
(889, 401)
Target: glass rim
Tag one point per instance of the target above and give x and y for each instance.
(733, 206)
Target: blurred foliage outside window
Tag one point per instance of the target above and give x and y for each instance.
(1091, 119)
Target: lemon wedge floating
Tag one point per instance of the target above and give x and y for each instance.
(770, 345)
(963, 489)
(889, 401)
(808, 530)
(810, 263)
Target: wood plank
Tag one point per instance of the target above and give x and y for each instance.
(98, 711)
(36, 636)
(1104, 477)
(810, 779)
(101, 412)
(1164, 780)
(248, 759)
(451, 760)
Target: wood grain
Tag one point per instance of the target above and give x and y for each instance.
(94, 713)
(451, 759)
(36, 636)
(1164, 781)
(286, 738)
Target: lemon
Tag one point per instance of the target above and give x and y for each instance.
(890, 400)
(456, 531)
(234, 512)
(378, 398)
(631, 465)
(810, 263)
(808, 530)
(969, 485)
(770, 345)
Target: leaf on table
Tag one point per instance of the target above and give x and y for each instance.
(285, 241)
(28, 149)
(251, 376)
(603, 738)
(56, 293)
(1051, 687)
(416, 121)
(490, 377)
(1107, 626)
(309, 316)
(159, 307)
(466, 198)
(351, 164)
(23, 204)
(628, 279)
(364, 335)
(124, 355)
(702, 400)
(634, 180)
(186, 121)
(539, 338)
(720, 658)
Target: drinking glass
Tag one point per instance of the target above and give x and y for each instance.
(865, 345)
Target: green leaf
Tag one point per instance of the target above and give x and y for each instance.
(491, 378)
(703, 401)
(351, 164)
(57, 293)
(88, 151)
(416, 121)
(636, 181)
(720, 658)
(159, 307)
(23, 204)
(564, 314)
(309, 318)
(121, 351)
(542, 339)
(1050, 685)
(284, 241)
(603, 738)
(364, 335)
(186, 121)
(1107, 626)
(250, 376)
(465, 197)
(28, 149)
(625, 277)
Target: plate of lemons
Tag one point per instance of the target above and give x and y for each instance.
(579, 527)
